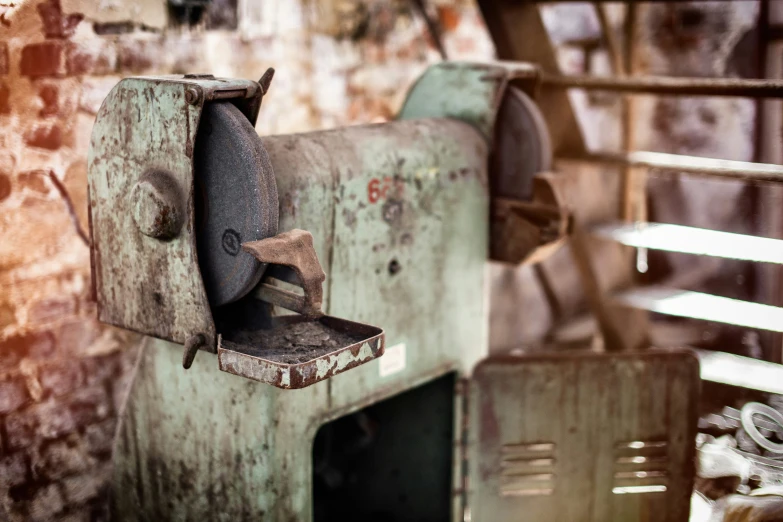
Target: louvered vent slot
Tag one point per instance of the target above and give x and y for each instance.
(527, 469)
(641, 467)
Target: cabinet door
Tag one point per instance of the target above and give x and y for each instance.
(583, 437)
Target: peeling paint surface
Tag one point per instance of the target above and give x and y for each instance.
(142, 283)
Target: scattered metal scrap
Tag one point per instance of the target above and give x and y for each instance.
(740, 465)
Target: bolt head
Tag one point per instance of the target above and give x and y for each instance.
(192, 95)
(158, 206)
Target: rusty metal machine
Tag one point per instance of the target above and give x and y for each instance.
(335, 283)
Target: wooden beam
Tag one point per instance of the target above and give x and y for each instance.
(519, 35)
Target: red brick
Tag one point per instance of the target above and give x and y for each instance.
(47, 502)
(62, 458)
(5, 186)
(60, 377)
(100, 437)
(3, 58)
(9, 359)
(221, 14)
(89, 405)
(44, 59)
(13, 470)
(79, 490)
(49, 95)
(449, 17)
(94, 91)
(7, 312)
(100, 369)
(5, 95)
(82, 514)
(53, 419)
(139, 56)
(34, 180)
(46, 136)
(35, 203)
(97, 57)
(47, 310)
(39, 344)
(74, 337)
(119, 389)
(56, 25)
(13, 394)
(20, 428)
(110, 28)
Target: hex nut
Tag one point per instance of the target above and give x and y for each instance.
(158, 205)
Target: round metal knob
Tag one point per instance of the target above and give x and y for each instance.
(158, 206)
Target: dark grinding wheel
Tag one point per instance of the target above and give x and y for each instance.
(236, 201)
(522, 146)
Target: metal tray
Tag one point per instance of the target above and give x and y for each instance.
(297, 351)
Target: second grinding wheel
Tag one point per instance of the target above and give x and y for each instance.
(236, 201)
(522, 146)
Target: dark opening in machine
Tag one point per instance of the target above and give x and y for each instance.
(390, 462)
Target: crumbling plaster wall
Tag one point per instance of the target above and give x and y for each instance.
(63, 375)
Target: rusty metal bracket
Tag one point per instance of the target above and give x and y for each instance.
(293, 249)
(529, 232)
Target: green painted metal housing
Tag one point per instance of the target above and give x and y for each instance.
(399, 214)
(146, 125)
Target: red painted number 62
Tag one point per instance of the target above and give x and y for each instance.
(377, 190)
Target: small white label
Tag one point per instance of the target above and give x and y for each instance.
(392, 360)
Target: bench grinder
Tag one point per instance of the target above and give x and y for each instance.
(323, 275)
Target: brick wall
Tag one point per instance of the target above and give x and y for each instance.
(62, 374)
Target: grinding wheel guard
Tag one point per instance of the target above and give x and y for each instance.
(297, 350)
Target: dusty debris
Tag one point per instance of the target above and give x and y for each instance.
(738, 478)
(295, 344)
